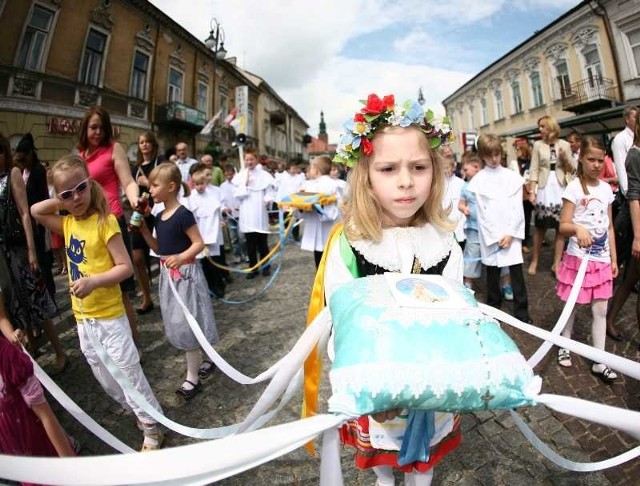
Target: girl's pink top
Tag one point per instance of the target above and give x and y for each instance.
(102, 169)
(608, 172)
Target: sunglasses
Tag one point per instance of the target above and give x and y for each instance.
(79, 189)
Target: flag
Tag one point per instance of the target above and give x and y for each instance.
(206, 130)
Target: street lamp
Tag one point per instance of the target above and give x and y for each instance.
(215, 42)
(216, 35)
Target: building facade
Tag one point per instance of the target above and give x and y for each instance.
(566, 70)
(624, 21)
(59, 57)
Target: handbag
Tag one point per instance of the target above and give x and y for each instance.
(13, 234)
(623, 229)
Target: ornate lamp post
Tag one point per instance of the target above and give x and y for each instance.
(215, 42)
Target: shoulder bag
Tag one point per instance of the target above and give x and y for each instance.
(12, 230)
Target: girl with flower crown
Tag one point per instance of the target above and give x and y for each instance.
(395, 208)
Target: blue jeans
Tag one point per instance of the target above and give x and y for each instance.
(238, 242)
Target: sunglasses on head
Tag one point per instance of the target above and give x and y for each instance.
(80, 188)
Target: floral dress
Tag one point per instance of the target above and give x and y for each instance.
(27, 300)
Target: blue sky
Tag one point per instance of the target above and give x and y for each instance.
(328, 55)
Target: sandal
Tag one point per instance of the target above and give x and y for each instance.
(188, 393)
(152, 442)
(206, 368)
(606, 374)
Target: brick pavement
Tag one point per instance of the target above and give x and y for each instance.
(493, 451)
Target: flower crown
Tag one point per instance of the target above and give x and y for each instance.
(376, 113)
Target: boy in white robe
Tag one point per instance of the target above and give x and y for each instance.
(318, 225)
(205, 202)
(287, 183)
(498, 192)
(254, 187)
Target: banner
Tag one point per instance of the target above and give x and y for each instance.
(242, 105)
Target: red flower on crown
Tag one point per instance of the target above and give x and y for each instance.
(359, 117)
(367, 146)
(375, 105)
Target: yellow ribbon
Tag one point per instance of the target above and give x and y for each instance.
(313, 363)
(305, 201)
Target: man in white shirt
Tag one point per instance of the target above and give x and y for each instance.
(184, 162)
(621, 144)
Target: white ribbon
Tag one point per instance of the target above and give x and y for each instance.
(200, 463)
(564, 316)
(141, 401)
(76, 412)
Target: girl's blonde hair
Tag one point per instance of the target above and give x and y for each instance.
(589, 142)
(168, 172)
(363, 210)
(98, 203)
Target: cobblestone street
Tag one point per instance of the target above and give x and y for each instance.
(256, 334)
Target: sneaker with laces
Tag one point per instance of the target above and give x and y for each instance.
(507, 292)
(564, 357)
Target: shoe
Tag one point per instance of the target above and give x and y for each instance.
(564, 358)
(266, 272)
(252, 275)
(189, 393)
(615, 335)
(507, 292)
(145, 310)
(218, 291)
(606, 374)
(206, 368)
(152, 442)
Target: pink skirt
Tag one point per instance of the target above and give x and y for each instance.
(597, 284)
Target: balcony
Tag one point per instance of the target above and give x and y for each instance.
(175, 113)
(589, 95)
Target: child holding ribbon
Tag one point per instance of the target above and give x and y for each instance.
(394, 222)
(586, 219)
(98, 262)
(178, 242)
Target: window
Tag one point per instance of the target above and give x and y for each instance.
(203, 97)
(139, 76)
(92, 60)
(175, 86)
(536, 90)
(499, 104)
(634, 43)
(562, 79)
(592, 66)
(35, 39)
(516, 97)
(483, 111)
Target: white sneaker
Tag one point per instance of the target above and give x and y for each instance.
(564, 358)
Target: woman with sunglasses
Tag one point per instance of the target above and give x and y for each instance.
(108, 166)
(27, 299)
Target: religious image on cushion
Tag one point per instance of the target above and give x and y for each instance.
(421, 342)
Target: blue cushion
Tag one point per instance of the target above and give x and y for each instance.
(421, 342)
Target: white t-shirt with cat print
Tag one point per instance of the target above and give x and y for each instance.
(591, 212)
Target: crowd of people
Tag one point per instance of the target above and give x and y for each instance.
(191, 213)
